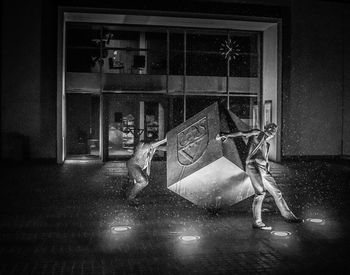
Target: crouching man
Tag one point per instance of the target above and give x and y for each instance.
(139, 167)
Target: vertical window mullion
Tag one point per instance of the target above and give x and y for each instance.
(260, 73)
(228, 77)
(184, 77)
(103, 144)
(168, 61)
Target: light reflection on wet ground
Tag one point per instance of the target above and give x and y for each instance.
(64, 220)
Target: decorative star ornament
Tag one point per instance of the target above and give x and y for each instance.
(230, 49)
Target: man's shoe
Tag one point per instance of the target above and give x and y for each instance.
(294, 220)
(261, 226)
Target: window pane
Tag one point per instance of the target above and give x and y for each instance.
(123, 125)
(195, 104)
(135, 59)
(176, 53)
(156, 43)
(203, 56)
(131, 118)
(121, 46)
(82, 47)
(176, 62)
(82, 124)
(178, 110)
(246, 108)
(246, 63)
(83, 58)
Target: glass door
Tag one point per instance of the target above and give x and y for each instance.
(130, 119)
(83, 125)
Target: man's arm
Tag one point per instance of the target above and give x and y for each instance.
(156, 144)
(253, 132)
(161, 148)
(153, 147)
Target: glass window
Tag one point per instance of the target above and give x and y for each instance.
(203, 56)
(83, 49)
(246, 108)
(195, 104)
(82, 125)
(123, 124)
(131, 118)
(121, 46)
(246, 63)
(177, 115)
(129, 63)
(176, 53)
(156, 44)
(176, 62)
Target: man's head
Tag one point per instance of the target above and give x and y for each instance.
(270, 130)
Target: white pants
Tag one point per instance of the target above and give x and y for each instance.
(262, 180)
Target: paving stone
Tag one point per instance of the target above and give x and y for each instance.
(57, 219)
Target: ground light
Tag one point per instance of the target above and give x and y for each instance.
(189, 238)
(120, 228)
(76, 161)
(315, 220)
(281, 233)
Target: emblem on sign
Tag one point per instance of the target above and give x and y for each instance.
(192, 142)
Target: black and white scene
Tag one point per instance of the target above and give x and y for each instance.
(175, 137)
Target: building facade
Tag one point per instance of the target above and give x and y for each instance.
(90, 80)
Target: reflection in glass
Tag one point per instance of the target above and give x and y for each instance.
(195, 104)
(203, 57)
(83, 50)
(122, 125)
(135, 61)
(176, 53)
(178, 110)
(246, 108)
(247, 62)
(82, 125)
(131, 119)
(156, 44)
(121, 47)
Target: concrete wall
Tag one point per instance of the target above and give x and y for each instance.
(21, 75)
(346, 91)
(312, 109)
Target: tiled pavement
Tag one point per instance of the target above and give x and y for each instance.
(57, 219)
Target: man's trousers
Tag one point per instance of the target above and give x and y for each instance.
(262, 180)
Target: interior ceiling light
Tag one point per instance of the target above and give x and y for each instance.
(281, 233)
(120, 228)
(76, 161)
(315, 220)
(189, 238)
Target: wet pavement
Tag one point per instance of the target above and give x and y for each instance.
(70, 219)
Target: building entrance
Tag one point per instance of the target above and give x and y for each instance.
(130, 119)
(129, 81)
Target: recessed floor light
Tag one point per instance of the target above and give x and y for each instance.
(281, 233)
(189, 238)
(315, 220)
(120, 228)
